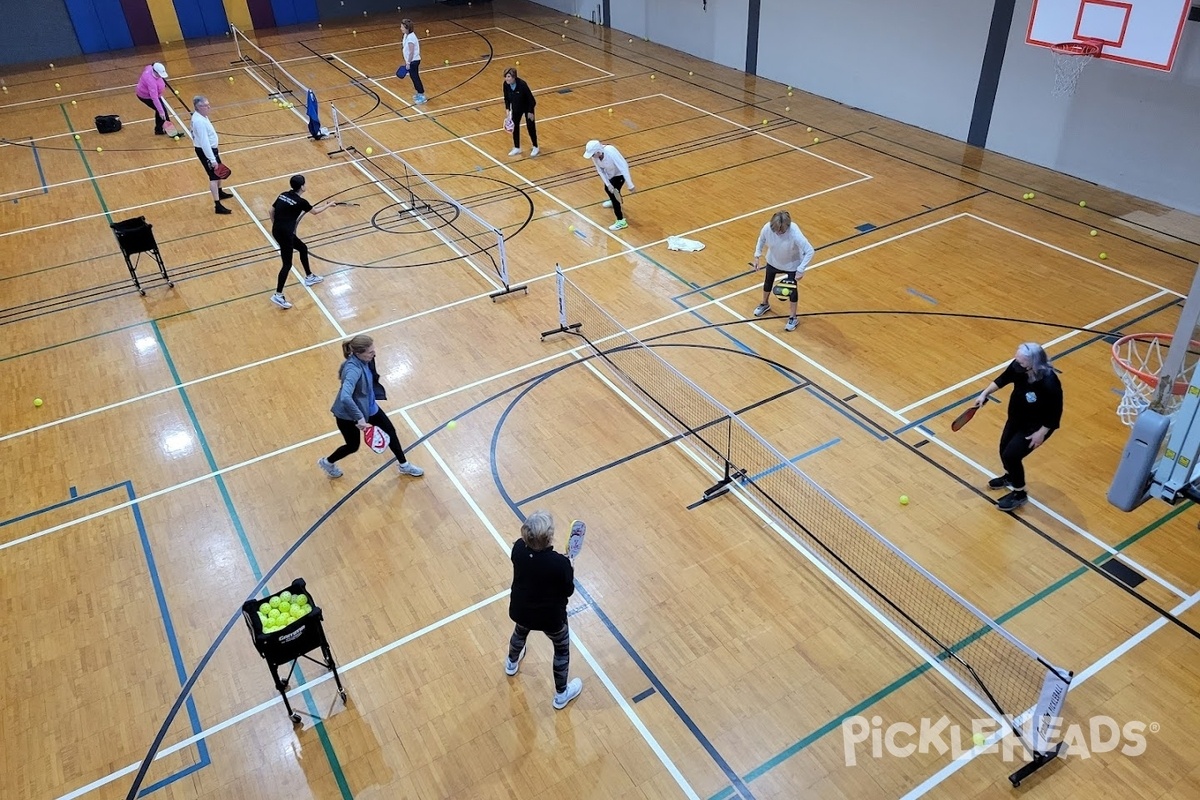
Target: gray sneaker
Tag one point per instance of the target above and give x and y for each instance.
(573, 690)
(511, 667)
(330, 469)
(761, 309)
(409, 468)
(791, 324)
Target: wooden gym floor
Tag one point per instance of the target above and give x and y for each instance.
(172, 463)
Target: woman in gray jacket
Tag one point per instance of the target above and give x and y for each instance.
(356, 407)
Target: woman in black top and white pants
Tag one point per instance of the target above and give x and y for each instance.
(543, 580)
(520, 102)
(1034, 413)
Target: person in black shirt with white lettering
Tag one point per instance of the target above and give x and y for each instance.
(1034, 413)
(285, 216)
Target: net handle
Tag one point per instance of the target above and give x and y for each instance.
(1149, 378)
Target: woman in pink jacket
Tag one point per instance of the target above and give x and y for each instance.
(150, 89)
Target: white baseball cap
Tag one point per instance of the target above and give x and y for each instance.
(160, 69)
(592, 148)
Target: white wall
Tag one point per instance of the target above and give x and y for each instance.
(1127, 127)
(717, 34)
(916, 61)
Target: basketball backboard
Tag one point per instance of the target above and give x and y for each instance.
(1145, 33)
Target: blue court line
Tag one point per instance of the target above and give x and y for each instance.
(640, 696)
(163, 610)
(37, 160)
(792, 460)
(219, 480)
(1087, 342)
(861, 707)
(922, 295)
(741, 789)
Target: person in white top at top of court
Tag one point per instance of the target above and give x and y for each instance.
(788, 253)
(204, 136)
(614, 171)
(411, 48)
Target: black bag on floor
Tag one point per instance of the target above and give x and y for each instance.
(108, 123)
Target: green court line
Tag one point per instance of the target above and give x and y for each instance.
(79, 146)
(916, 672)
(326, 744)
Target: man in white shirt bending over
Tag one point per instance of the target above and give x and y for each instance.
(788, 253)
(614, 171)
(204, 136)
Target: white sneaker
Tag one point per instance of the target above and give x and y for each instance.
(312, 280)
(409, 468)
(281, 301)
(761, 309)
(573, 690)
(511, 667)
(619, 225)
(791, 324)
(331, 469)
(516, 151)
(535, 151)
(606, 204)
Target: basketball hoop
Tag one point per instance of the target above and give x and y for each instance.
(1069, 60)
(1137, 360)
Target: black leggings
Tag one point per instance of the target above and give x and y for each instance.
(772, 274)
(287, 243)
(414, 72)
(615, 197)
(529, 123)
(1013, 449)
(158, 121)
(353, 437)
(562, 652)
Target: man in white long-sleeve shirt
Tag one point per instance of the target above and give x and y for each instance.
(614, 171)
(204, 136)
(788, 253)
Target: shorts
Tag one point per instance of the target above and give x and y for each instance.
(204, 160)
(772, 274)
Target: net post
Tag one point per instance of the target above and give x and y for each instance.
(337, 132)
(234, 33)
(1185, 332)
(560, 281)
(502, 271)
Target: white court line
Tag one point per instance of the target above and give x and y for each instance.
(292, 693)
(954, 766)
(938, 441)
(634, 719)
(556, 51)
(382, 326)
(271, 241)
(435, 231)
(707, 467)
(992, 370)
(789, 145)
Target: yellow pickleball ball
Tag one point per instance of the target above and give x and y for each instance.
(518, 63)
(37, 402)
(1083, 204)
(231, 79)
(1092, 233)
(73, 102)
(77, 137)
(451, 424)
(571, 228)
(99, 149)
(370, 150)
(903, 499)
(1104, 256)
(816, 140)
(979, 739)
(58, 86)
(651, 76)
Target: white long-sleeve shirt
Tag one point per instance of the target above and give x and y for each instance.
(789, 252)
(611, 165)
(204, 136)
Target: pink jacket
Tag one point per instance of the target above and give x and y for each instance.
(151, 87)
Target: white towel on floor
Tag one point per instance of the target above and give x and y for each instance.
(686, 245)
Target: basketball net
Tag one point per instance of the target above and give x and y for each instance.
(1138, 360)
(1069, 60)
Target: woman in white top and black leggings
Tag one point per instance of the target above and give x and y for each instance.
(788, 253)
(411, 47)
(204, 136)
